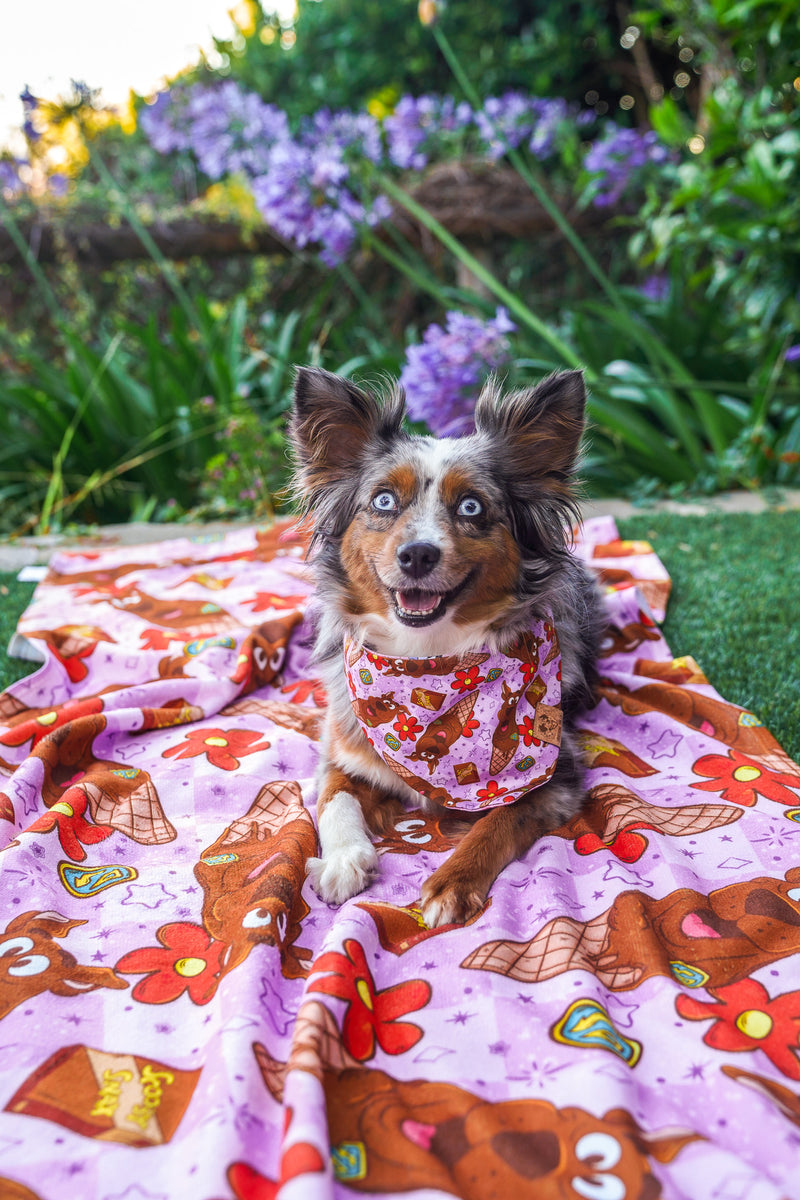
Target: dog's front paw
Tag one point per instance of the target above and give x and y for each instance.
(445, 901)
(343, 873)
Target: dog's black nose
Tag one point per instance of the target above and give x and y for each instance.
(418, 558)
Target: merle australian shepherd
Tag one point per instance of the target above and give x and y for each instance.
(425, 547)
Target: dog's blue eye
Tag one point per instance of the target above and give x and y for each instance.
(470, 507)
(384, 502)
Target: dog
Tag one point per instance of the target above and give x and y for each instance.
(455, 551)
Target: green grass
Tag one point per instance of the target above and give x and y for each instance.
(14, 597)
(735, 607)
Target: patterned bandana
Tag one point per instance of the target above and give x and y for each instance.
(470, 732)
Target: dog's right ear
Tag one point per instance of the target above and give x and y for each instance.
(335, 426)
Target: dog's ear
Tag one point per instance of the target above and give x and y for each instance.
(540, 426)
(334, 428)
(534, 437)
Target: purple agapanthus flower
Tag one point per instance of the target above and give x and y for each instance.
(10, 182)
(508, 121)
(505, 122)
(312, 188)
(30, 103)
(303, 186)
(615, 159)
(344, 131)
(442, 373)
(792, 353)
(228, 130)
(303, 195)
(655, 287)
(418, 123)
(550, 115)
(58, 184)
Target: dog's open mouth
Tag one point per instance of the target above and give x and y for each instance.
(417, 607)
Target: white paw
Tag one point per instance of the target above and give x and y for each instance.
(443, 903)
(440, 910)
(343, 873)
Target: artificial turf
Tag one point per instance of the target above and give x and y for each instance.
(735, 607)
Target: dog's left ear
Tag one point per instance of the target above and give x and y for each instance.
(541, 427)
(334, 427)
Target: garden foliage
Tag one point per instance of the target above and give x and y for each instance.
(686, 145)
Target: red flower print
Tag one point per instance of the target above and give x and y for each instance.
(377, 660)
(72, 663)
(467, 681)
(67, 817)
(627, 845)
(188, 960)
(304, 688)
(528, 670)
(740, 779)
(470, 725)
(549, 630)
(490, 792)
(247, 1183)
(155, 639)
(38, 727)
(370, 1014)
(263, 601)
(223, 748)
(407, 727)
(526, 732)
(746, 1019)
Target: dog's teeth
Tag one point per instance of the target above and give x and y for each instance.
(418, 604)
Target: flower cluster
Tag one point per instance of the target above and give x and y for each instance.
(13, 170)
(10, 182)
(422, 126)
(418, 125)
(442, 373)
(228, 130)
(304, 187)
(615, 160)
(311, 186)
(305, 198)
(509, 121)
(30, 103)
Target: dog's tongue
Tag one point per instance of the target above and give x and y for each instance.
(420, 1134)
(418, 602)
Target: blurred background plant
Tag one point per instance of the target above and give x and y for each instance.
(622, 194)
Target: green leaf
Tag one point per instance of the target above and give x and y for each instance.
(670, 123)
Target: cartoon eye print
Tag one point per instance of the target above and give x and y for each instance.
(600, 1151)
(410, 831)
(256, 918)
(33, 964)
(385, 502)
(469, 507)
(273, 661)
